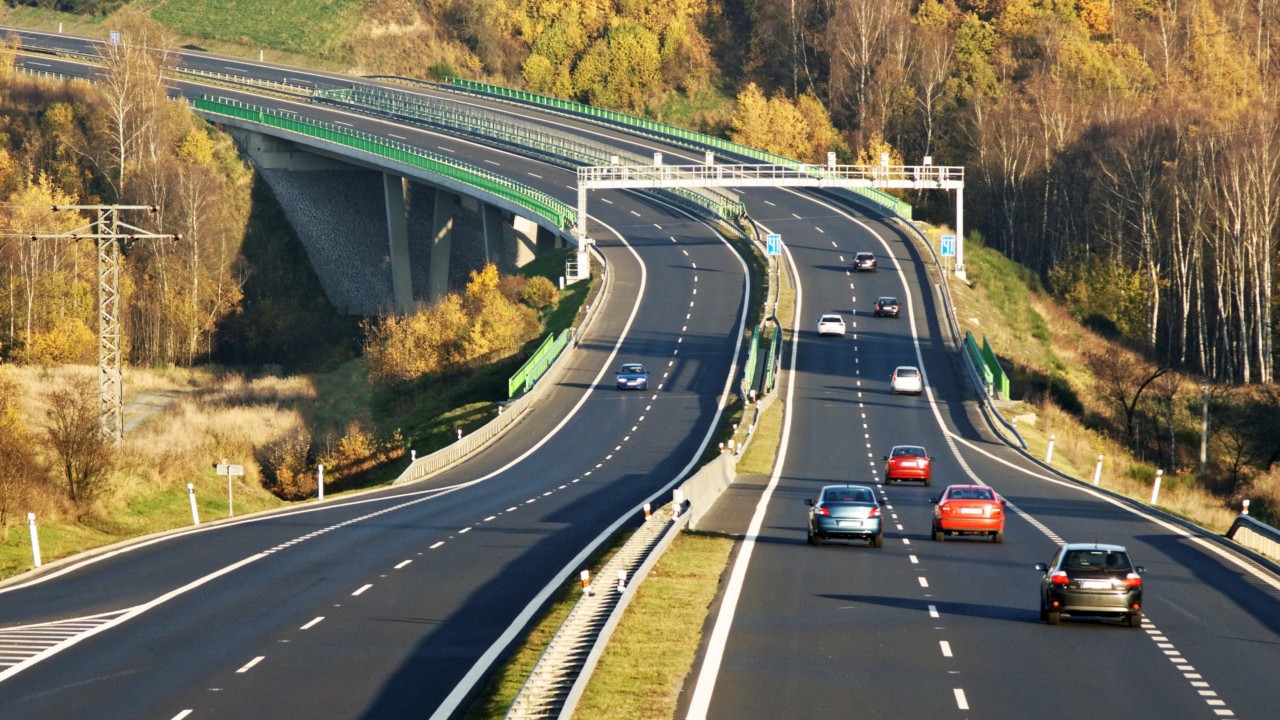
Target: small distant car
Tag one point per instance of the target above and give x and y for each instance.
(831, 324)
(633, 376)
(908, 462)
(887, 307)
(968, 510)
(864, 261)
(845, 512)
(1091, 579)
(906, 379)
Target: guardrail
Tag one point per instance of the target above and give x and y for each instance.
(1256, 536)
(537, 366)
(564, 150)
(563, 215)
(662, 131)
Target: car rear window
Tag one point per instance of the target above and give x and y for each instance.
(1096, 560)
(908, 452)
(971, 494)
(907, 372)
(860, 495)
(888, 301)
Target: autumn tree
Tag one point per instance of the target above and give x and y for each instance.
(82, 450)
(18, 462)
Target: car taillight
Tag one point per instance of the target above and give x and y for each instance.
(1133, 580)
(1059, 578)
(994, 511)
(822, 511)
(875, 512)
(945, 508)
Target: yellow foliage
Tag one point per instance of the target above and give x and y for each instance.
(196, 148)
(69, 340)
(875, 149)
(1096, 16)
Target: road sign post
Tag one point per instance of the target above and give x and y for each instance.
(231, 471)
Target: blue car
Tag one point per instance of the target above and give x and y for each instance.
(633, 376)
(845, 512)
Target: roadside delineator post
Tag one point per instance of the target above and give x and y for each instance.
(191, 494)
(585, 576)
(1244, 509)
(677, 503)
(35, 539)
(622, 580)
(1048, 456)
(1155, 489)
(320, 482)
(1097, 472)
(647, 511)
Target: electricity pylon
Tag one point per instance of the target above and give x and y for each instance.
(105, 231)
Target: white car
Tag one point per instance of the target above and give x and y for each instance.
(831, 325)
(907, 379)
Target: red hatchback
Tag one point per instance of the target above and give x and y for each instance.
(907, 462)
(968, 510)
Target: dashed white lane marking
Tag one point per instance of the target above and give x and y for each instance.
(364, 587)
(339, 122)
(795, 216)
(398, 137)
(820, 230)
(924, 581)
(511, 509)
(766, 202)
(535, 175)
(451, 150)
(633, 212)
(906, 541)
(313, 623)
(933, 612)
(491, 517)
(249, 665)
(438, 544)
(492, 162)
(657, 226)
(403, 563)
(465, 530)
(946, 648)
(961, 701)
(604, 200)
(182, 714)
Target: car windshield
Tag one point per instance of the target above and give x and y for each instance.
(908, 452)
(1096, 560)
(858, 495)
(632, 369)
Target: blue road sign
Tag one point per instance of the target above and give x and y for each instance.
(948, 245)
(773, 244)
(115, 37)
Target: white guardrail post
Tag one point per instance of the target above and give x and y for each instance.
(191, 495)
(35, 539)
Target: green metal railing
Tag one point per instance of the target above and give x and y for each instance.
(561, 214)
(975, 354)
(664, 131)
(515, 134)
(537, 366)
(775, 347)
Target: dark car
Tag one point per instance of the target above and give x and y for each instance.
(845, 512)
(1091, 579)
(633, 376)
(887, 307)
(864, 261)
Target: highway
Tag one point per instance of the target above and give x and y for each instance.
(915, 629)
(397, 604)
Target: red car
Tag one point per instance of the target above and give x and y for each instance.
(968, 510)
(907, 462)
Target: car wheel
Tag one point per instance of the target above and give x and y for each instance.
(998, 536)
(938, 535)
(1135, 619)
(810, 538)
(926, 482)
(877, 541)
(1051, 617)
(1044, 613)
(888, 481)
(817, 540)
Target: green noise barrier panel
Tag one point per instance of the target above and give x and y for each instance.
(1000, 378)
(537, 366)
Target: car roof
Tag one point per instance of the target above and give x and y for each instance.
(906, 367)
(909, 447)
(1103, 547)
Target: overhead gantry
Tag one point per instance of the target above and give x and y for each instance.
(831, 175)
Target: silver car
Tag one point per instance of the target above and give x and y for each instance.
(845, 512)
(906, 379)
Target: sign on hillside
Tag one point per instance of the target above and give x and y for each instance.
(948, 246)
(773, 244)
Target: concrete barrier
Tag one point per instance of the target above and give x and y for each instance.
(1256, 536)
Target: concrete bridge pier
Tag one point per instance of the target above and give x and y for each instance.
(446, 204)
(396, 191)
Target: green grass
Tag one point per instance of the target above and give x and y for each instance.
(309, 27)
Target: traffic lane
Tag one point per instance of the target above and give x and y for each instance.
(1221, 618)
(819, 635)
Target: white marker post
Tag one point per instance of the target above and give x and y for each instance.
(35, 539)
(1097, 472)
(677, 502)
(191, 494)
(1048, 456)
(585, 576)
(231, 471)
(320, 482)
(1155, 489)
(647, 511)
(1244, 509)
(622, 580)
